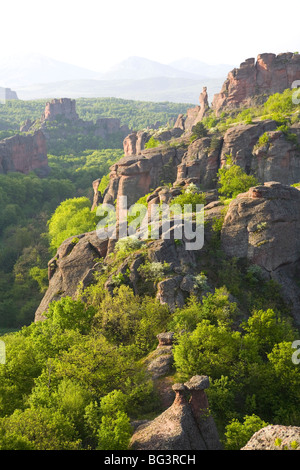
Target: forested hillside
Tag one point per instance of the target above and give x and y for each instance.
(96, 368)
(27, 202)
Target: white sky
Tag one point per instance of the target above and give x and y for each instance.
(98, 34)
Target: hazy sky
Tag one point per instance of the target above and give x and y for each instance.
(98, 34)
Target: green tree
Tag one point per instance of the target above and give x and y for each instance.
(72, 217)
(233, 180)
(238, 434)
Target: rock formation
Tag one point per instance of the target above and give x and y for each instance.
(7, 94)
(263, 226)
(135, 142)
(275, 438)
(134, 176)
(24, 153)
(253, 82)
(97, 199)
(75, 262)
(198, 162)
(185, 425)
(63, 107)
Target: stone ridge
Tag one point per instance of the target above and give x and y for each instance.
(254, 81)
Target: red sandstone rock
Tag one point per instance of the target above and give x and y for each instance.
(60, 107)
(248, 83)
(24, 153)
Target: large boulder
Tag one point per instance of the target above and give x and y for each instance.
(263, 225)
(24, 153)
(275, 438)
(74, 264)
(239, 142)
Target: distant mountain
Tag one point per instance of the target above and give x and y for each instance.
(139, 68)
(23, 70)
(202, 69)
(176, 90)
(34, 76)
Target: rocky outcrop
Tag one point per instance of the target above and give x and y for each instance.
(185, 425)
(279, 158)
(24, 153)
(254, 81)
(239, 142)
(198, 162)
(263, 226)
(74, 264)
(275, 438)
(135, 176)
(276, 160)
(97, 199)
(201, 163)
(7, 94)
(134, 143)
(194, 115)
(63, 107)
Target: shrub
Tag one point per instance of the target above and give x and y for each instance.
(191, 196)
(153, 271)
(238, 434)
(127, 245)
(153, 143)
(263, 140)
(199, 131)
(233, 180)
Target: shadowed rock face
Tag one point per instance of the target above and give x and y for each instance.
(24, 153)
(263, 225)
(75, 262)
(247, 84)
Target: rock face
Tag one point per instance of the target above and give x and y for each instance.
(263, 225)
(135, 176)
(7, 94)
(201, 163)
(239, 142)
(255, 81)
(134, 143)
(268, 437)
(24, 153)
(64, 107)
(185, 425)
(194, 115)
(278, 159)
(75, 262)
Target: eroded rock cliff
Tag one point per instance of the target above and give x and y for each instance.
(24, 153)
(263, 226)
(254, 81)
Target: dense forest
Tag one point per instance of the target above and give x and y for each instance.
(77, 380)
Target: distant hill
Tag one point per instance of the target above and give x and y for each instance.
(24, 70)
(202, 69)
(35, 76)
(139, 68)
(176, 90)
